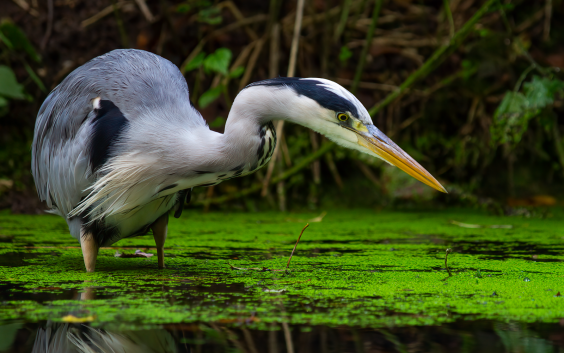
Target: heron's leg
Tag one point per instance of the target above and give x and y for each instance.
(159, 233)
(89, 247)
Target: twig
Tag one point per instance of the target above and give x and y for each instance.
(121, 26)
(295, 246)
(238, 62)
(435, 59)
(468, 225)
(504, 19)
(24, 5)
(367, 44)
(291, 71)
(287, 173)
(233, 338)
(391, 39)
(343, 20)
(49, 25)
(530, 21)
(274, 50)
(288, 337)
(296, 38)
(209, 195)
(249, 340)
(367, 85)
(239, 16)
(547, 18)
(285, 151)
(448, 251)
(162, 40)
(523, 77)
(266, 269)
(368, 174)
(316, 166)
(252, 61)
(105, 12)
(558, 143)
(406, 123)
(446, 4)
(334, 171)
(217, 32)
(281, 186)
(34, 77)
(312, 19)
(145, 10)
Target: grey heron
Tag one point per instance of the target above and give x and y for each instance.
(118, 145)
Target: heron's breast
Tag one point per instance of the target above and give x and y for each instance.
(137, 220)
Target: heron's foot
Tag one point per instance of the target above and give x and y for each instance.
(89, 251)
(160, 257)
(159, 233)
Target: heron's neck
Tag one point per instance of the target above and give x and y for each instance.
(249, 137)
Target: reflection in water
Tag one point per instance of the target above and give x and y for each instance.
(89, 292)
(462, 336)
(65, 338)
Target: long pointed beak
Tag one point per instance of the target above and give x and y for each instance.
(383, 147)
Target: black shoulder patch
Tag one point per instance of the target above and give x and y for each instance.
(109, 123)
(171, 186)
(312, 89)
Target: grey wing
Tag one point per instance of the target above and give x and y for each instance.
(66, 137)
(59, 160)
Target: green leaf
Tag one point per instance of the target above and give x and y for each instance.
(218, 122)
(182, 8)
(513, 102)
(238, 71)
(509, 118)
(4, 106)
(345, 54)
(218, 61)
(540, 91)
(209, 96)
(468, 68)
(9, 86)
(17, 39)
(195, 63)
(210, 16)
(512, 116)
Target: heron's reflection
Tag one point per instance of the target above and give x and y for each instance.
(73, 338)
(89, 291)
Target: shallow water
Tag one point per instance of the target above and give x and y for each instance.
(360, 280)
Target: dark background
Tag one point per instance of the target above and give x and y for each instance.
(452, 120)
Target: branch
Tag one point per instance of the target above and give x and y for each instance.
(438, 56)
(367, 44)
(446, 4)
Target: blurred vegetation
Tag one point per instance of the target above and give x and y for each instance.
(472, 89)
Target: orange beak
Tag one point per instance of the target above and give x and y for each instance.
(383, 147)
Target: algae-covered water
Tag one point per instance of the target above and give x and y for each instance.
(358, 279)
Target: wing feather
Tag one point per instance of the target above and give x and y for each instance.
(133, 80)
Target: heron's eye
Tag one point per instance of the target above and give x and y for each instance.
(342, 117)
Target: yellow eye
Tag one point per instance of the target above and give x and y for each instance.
(342, 117)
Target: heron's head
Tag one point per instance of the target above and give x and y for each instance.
(328, 108)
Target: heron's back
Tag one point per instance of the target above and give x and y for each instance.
(135, 82)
